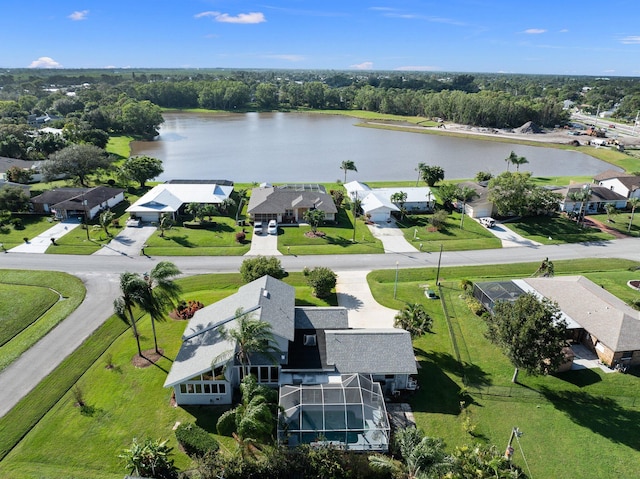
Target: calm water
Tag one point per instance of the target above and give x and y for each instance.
(294, 147)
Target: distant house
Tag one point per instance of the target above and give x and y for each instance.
(31, 166)
(289, 203)
(66, 203)
(596, 318)
(4, 183)
(479, 206)
(171, 197)
(599, 196)
(377, 201)
(318, 354)
(625, 185)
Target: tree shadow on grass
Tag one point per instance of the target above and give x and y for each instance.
(207, 416)
(602, 415)
(579, 377)
(182, 241)
(471, 374)
(338, 240)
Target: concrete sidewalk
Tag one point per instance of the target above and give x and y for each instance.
(264, 245)
(40, 243)
(364, 312)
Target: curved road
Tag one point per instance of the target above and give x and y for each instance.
(100, 276)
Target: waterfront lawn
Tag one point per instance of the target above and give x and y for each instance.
(337, 240)
(212, 239)
(586, 412)
(122, 401)
(33, 226)
(620, 221)
(452, 238)
(29, 307)
(556, 229)
(119, 147)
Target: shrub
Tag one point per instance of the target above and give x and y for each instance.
(254, 268)
(195, 441)
(186, 309)
(17, 224)
(240, 236)
(474, 305)
(226, 424)
(322, 280)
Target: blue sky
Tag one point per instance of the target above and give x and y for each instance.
(512, 36)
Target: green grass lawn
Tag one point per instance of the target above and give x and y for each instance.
(216, 239)
(337, 239)
(33, 226)
(29, 309)
(123, 401)
(416, 229)
(556, 229)
(585, 412)
(620, 221)
(119, 146)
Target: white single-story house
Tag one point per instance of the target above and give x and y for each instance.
(67, 203)
(377, 201)
(599, 196)
(171, 196)
(479, 206)
(31, 166)
(596, 318)
(288, 203)
(625, 185)
(317, 351)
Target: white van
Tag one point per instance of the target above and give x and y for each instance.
(487, 222)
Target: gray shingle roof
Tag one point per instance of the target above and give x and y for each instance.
(276, 200)
(370, 351)
(321, 318)
(72, 198)
(599, 312)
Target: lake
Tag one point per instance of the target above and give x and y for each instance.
(298, 147)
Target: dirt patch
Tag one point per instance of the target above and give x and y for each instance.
(149, 357)
(317, 234)
(590, 221)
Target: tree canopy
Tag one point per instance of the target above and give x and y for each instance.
(254, 268)
(142, 168)
(14, 198)
(432, 174)
(531, 333)
(75, 161)
(347, 165)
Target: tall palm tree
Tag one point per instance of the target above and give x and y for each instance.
(400, 198)
(580, 196)
(251, 337)
(419, 169)
(133, 289)
(348, 165)
(161, 294)
(633, 202)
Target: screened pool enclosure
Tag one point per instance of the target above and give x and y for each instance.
(348, 412)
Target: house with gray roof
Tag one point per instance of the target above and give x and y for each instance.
(626, 185)
(288, 203)
(595, 318)
(597, 198)
(316, 351)
(67, 203)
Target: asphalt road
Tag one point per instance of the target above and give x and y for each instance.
(100, 276)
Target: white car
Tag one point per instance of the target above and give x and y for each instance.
(272, 229)
(488, 222)
(257, 228)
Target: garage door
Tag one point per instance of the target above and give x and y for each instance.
(265, 217)
(379, 217)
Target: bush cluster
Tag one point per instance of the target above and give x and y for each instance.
(186, 309)
(195, 441)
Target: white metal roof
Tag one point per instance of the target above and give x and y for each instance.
(168, 197)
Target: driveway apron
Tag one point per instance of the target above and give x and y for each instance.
(364, 311)
(264, 245)
(392, 237)
(128, 242)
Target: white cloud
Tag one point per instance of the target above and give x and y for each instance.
(362, 66)
(631, 40)
(534, 31)
(44, 62)
(246, 18)
(289, 58)
(79, 15)
(422, 68)
(564, 30)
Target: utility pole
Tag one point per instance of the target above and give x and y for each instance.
(395, 286)
(86, 216)
(355, 216)
(438, 272)
(508, 453)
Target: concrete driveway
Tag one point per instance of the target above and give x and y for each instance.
(354, 294)
(264, 245)
(127, 242)
(392, 237)
(40, 243)
(509, 238)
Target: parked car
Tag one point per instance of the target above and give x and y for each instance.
(272, 229)
(487, 222)
(257, 228)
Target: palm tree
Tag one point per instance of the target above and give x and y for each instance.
(400, 198)
(162, 293)
(580, 196)
(419, 169)
(348, 165)
(105, 220)
(465, 194)
(610, 209)
(251, 337)
(421, 456)
(633, 202)
(413, 318)
(166, 221)
(133, 289)
(519, 160)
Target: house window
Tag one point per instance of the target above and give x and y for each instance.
(288, 212)
(627, 354)
(263, 374)
(309, 340)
